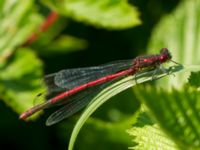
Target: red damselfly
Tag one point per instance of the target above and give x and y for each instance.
(74, 88)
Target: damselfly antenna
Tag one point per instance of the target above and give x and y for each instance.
(166, 55)
(175, 62)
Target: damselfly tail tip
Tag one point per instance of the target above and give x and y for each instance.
(23, 116)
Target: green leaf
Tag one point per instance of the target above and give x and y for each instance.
(18, 21)
(176, 112)
(111, 91)
(110, 14)
(194, 79)
(20, 69)
(20, 80)
(148, 135)
(180, 33)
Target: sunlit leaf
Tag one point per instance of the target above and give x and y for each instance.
(18, 21)
(177, 113)
(180, 33)
(148, 135)
(20, 80)
(111, 14)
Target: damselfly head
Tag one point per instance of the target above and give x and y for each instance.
(165, 55)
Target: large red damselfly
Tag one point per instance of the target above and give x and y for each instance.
(76, 87)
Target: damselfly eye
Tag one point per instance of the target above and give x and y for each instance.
(164, 51)
(165, 54)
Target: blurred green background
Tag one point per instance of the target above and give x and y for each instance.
(70, 42)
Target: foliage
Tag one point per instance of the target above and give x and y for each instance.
(18, 21)
(174, 109)
(110, 91)
(164, 113)
(117, 14)
(20, 81)
(176, 112)
(194, 79)
(17, 87)
(148, 135)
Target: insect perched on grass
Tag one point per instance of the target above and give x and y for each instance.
(76, 87)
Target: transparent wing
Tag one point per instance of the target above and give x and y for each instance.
(52, 87)
(70, 78)
(75, 103)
